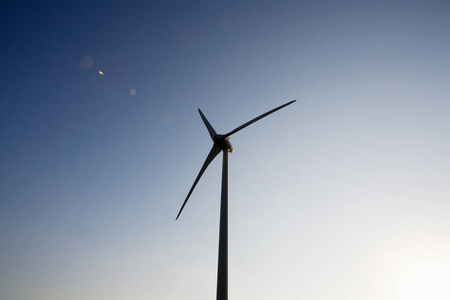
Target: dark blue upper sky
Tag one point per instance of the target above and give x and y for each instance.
(343, 194)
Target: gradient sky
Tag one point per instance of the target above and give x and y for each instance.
(343, 195)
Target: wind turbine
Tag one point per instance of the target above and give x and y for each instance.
(222, 144)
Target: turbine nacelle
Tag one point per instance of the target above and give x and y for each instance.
(223, 142)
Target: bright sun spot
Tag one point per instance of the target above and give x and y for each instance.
(416, 267)
(426, 276)
(413, 267)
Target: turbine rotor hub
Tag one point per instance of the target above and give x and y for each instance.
(223, 142)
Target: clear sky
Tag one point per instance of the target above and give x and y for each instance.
(344, 194)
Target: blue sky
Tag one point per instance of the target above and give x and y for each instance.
(342, 195)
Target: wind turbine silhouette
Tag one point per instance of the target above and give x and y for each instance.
(222, 143)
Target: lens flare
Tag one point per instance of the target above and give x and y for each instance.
(100, 72)
(86, 62)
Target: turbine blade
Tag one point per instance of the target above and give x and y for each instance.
(257, 118)
(211, 130)
(212, 154)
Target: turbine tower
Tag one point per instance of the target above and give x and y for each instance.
(221, 143)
